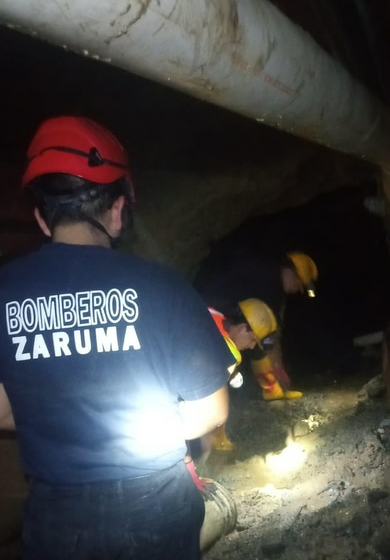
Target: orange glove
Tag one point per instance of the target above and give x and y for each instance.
(199, 483)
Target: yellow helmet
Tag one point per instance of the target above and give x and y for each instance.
(259, 316)
(306, 269)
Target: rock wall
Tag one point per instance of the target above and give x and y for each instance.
(178, 214)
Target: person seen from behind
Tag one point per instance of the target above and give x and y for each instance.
(108, 363)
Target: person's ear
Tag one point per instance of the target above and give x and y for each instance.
(244, 328)
(41, 222)
(116, 215)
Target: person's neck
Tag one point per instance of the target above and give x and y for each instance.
(79, 234)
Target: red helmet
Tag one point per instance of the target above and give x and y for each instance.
(76, 146)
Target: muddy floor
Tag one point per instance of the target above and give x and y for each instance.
(308, 477)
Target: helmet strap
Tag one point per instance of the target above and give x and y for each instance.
(127, 218)
(114, 241)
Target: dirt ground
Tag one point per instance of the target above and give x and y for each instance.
(308, 477)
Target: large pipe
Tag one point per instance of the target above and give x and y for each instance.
(244, 55)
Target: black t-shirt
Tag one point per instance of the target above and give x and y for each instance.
(97, 348)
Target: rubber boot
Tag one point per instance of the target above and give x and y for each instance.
(275, 392)
(272, 389)
(293, 394)
(220, 441)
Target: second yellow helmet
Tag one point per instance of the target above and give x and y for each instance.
(306, 269)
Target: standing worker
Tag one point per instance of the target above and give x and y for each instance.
(271, 375)
(108, 365)
(234, 272)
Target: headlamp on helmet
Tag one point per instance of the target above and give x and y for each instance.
(306, 269)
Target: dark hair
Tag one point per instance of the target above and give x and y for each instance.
(233, 313)
(286, 262)
(65, 199)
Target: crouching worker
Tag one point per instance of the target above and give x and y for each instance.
(249, 324)
(102, 395)
(273, 380)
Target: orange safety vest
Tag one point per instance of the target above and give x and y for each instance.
(219, 319)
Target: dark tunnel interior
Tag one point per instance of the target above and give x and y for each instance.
(348, 244)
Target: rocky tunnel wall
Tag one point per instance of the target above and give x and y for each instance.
(199, 170)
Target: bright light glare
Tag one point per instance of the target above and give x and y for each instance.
(290, 459)
(311, 293)
(156, 432)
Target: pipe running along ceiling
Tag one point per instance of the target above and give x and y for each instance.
(243, 55)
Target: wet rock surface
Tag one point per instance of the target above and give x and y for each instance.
(309, 477)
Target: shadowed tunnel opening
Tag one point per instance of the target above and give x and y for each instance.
(348, 244)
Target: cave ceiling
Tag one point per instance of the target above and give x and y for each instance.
(200, 169)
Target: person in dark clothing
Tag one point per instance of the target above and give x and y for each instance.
(108, 363)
